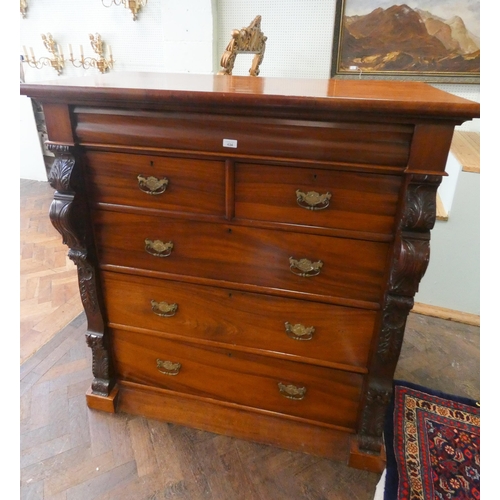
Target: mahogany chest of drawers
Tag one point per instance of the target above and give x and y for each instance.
(248, 249)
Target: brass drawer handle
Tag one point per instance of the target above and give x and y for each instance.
(299, 332)
(158, 248)
(313, 200)
(305, 267)
(292, 391)
(152, 185)
(168, 367)
(163, 309)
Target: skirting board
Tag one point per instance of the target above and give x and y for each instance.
(443, 313)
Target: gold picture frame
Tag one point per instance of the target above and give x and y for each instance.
(419, 40)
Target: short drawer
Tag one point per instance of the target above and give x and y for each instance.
(310, 392)
(293, 328)
(283, 260)
(158, 182)
(317, 197)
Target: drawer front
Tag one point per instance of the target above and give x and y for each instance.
(347, 268)
(366, 143)
(162, 183)
(317, 197)
(287, 326)
(323, 394)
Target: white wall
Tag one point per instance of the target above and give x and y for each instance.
(452, 278)
(190, 36)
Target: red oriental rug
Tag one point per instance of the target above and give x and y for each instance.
(432, 446)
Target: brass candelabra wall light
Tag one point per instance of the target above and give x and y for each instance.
(24, 8)
(133, 5)
(56, 61)
(102, 64)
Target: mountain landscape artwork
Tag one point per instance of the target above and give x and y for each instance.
(420, 37)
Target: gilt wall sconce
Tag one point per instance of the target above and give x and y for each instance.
(249, 40)
(102, 64)
(24, 8)
(133, 5)
(56, 61)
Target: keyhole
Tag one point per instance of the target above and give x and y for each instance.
(229, 230)
(151, 163)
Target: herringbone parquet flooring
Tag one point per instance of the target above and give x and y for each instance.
(49, 290)
(69, 452)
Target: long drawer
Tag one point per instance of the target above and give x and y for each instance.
(289, 327)
(309, 392)
(163, 183)
(366, 143)
(317, 197)
(284, 260)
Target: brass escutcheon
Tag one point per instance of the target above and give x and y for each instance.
(299, 332)
(158, 248)
(313, 200)
(152, 185)
(292, 391)
(163, 309)
(304, 267)
(168, 367)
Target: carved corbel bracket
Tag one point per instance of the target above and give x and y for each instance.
(66, 216)
(409, 263)
(249, 40)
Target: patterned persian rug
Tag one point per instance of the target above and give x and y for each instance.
(432, 446)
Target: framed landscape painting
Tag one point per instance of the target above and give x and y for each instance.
(426, 40)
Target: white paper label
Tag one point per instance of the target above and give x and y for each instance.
(229, 143)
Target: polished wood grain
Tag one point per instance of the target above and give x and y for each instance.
(351, 269)
(395, 130)
(230, 376)
(359, 202)
(203, 315)
(70, 451)
(386, 145)
(112, 179)
(276, 96)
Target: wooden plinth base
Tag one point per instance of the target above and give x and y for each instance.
(103, 403)
(366, 461)
(261, 427)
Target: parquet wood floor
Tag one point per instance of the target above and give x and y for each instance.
(48, 284)
(69, 452)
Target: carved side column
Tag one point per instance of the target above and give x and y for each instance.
(67, 214)
(410, 260)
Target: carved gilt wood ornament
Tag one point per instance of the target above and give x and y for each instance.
(63, 215)
(249, 40)
(408, 267)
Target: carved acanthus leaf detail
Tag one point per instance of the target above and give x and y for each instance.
(420, 208)
(100, 363)
(60, 174)
(394, 318)
(86, 279)
(248, 40)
